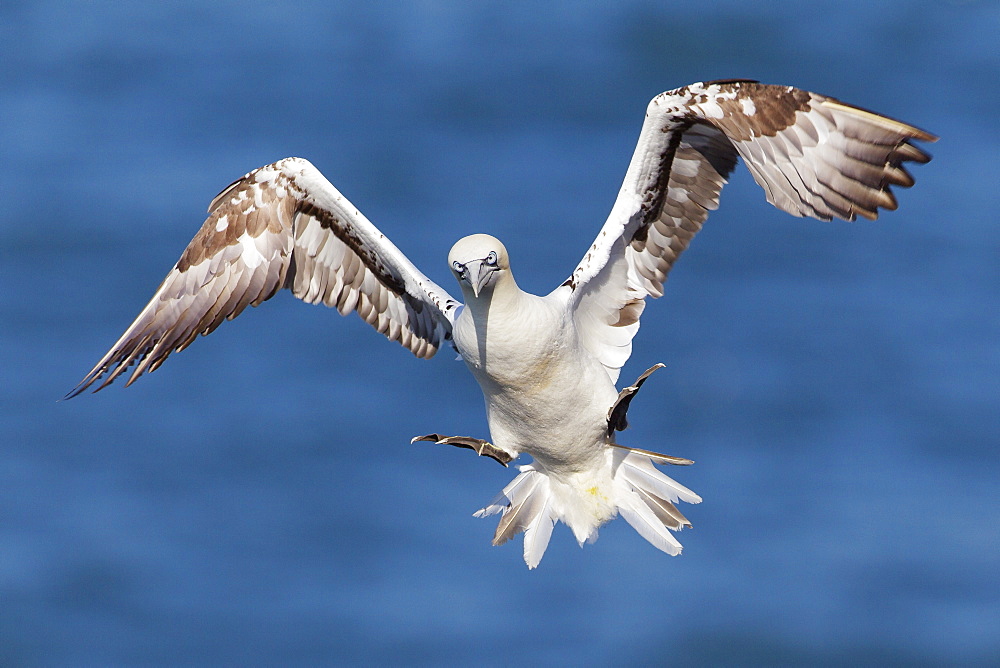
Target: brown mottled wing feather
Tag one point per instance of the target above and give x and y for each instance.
(816, 156)
(813, 156)
(281, 226)
(703, 160)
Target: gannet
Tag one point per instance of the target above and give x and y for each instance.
(547, 365)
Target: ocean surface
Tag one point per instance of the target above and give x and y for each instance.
(257, 500)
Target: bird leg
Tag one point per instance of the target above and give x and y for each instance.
(481, 447)
(617, 420)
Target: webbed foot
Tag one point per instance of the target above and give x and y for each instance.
(616, 414)
(481, 447)
(617, 420)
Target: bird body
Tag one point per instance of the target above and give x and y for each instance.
(547, 365)
(545, 394)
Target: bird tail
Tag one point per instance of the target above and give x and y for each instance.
(631, 486)
(525, 504)
(646, 498)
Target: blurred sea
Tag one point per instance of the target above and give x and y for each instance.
(257, 500)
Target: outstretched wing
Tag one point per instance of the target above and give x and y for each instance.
(282, 226)
(813, 156)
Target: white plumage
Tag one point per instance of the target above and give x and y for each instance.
(547, 365)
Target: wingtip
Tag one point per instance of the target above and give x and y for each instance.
(82, 387)
(910, 131)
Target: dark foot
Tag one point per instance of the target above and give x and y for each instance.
(482, 448)
(616, 414)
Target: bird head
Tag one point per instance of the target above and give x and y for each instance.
(478, 261)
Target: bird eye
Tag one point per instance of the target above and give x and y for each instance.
(491, 259)
(458, 267)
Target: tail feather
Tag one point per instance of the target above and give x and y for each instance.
(519, 515)
(526, 505)
(665, 511)
(502, 501)
(645, 522)
(639, 472)
(632, 487)
(537, 534)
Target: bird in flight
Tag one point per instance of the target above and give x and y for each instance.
(547, 365)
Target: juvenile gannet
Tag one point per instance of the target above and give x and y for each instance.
(547, 365)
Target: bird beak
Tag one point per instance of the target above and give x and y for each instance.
(479, 275)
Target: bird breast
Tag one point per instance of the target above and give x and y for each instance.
(545, 394)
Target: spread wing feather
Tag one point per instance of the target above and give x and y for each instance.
(813, 156)
(281, 226)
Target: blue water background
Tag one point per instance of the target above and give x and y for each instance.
(257, 501)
